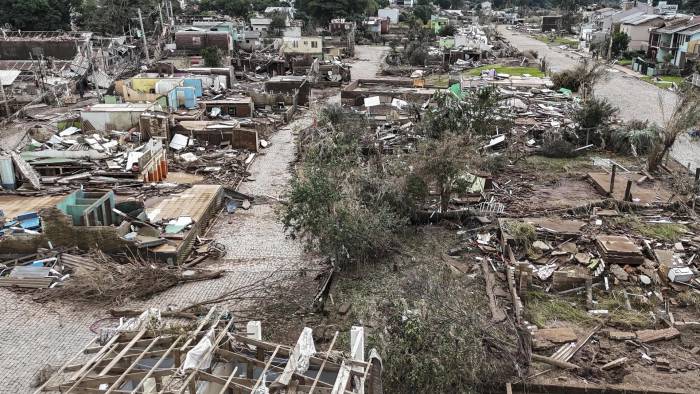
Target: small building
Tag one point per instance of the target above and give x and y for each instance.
(437, 23)
(261, 25)
(637, 28)
(250, 40)
(377, 25)
(551, 23)
(219, 133)
(391, 13)
(403, 3)
(340, 25)
(303, 46)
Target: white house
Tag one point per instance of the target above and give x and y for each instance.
(391, 13)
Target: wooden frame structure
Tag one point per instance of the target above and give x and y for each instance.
(227, 361)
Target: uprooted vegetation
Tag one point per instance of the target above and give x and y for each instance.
(441, 339)
(580, 78)
(352, 202)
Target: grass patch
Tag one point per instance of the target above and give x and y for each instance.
(636, 318)
(524, 234)
(624, 62)
(666, 232)
(544, 309)
(666, 81)
(690, 299)
(439, 80)
(554, 165)
(501, 69)
(572, 43)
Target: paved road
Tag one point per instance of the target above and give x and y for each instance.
(369, 58)
(635, 98)
(34, 335)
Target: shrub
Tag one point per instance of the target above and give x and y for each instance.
(558, 148)
(594, 113)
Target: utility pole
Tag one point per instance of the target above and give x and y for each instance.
(143, 34)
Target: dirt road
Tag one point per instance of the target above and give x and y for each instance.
(635, 98)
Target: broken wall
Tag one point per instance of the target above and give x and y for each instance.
(58, 229)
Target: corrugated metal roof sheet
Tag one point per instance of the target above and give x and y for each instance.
(7, 77)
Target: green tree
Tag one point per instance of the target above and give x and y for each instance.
(423, 12)
(322, 11)
(116, 16)
(278, 23)
(620, 41)
(36, 14)
(237, 8)
(448, 30)
(211, 57)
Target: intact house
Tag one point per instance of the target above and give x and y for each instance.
(637, 28)
(671, 43)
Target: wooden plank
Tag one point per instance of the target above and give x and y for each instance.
(116, 384)
(497, 313)
(78, 376)
(323, 364)
(267, 365)
(122, 353)
(153, 371)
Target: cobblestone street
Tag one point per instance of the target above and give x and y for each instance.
(33, 335)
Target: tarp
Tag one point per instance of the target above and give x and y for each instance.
(201, 355)
(456, 89)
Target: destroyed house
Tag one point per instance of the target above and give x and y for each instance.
(355, 93)
(290, 84)
(194, 41)
(551, 23)
(237, 107)
(120, 117)
(35, 45)
(220, 134)
(218, 354)
(38, 63)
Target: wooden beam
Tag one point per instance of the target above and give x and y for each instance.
(87, 368)
(229, 381)
(323, 364)
(123, 352)
(116, 384)
(267, 365)
(153, 371)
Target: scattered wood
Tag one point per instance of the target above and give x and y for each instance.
(554, 362)
(497, 313)
(614, 364)
(648, 336)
